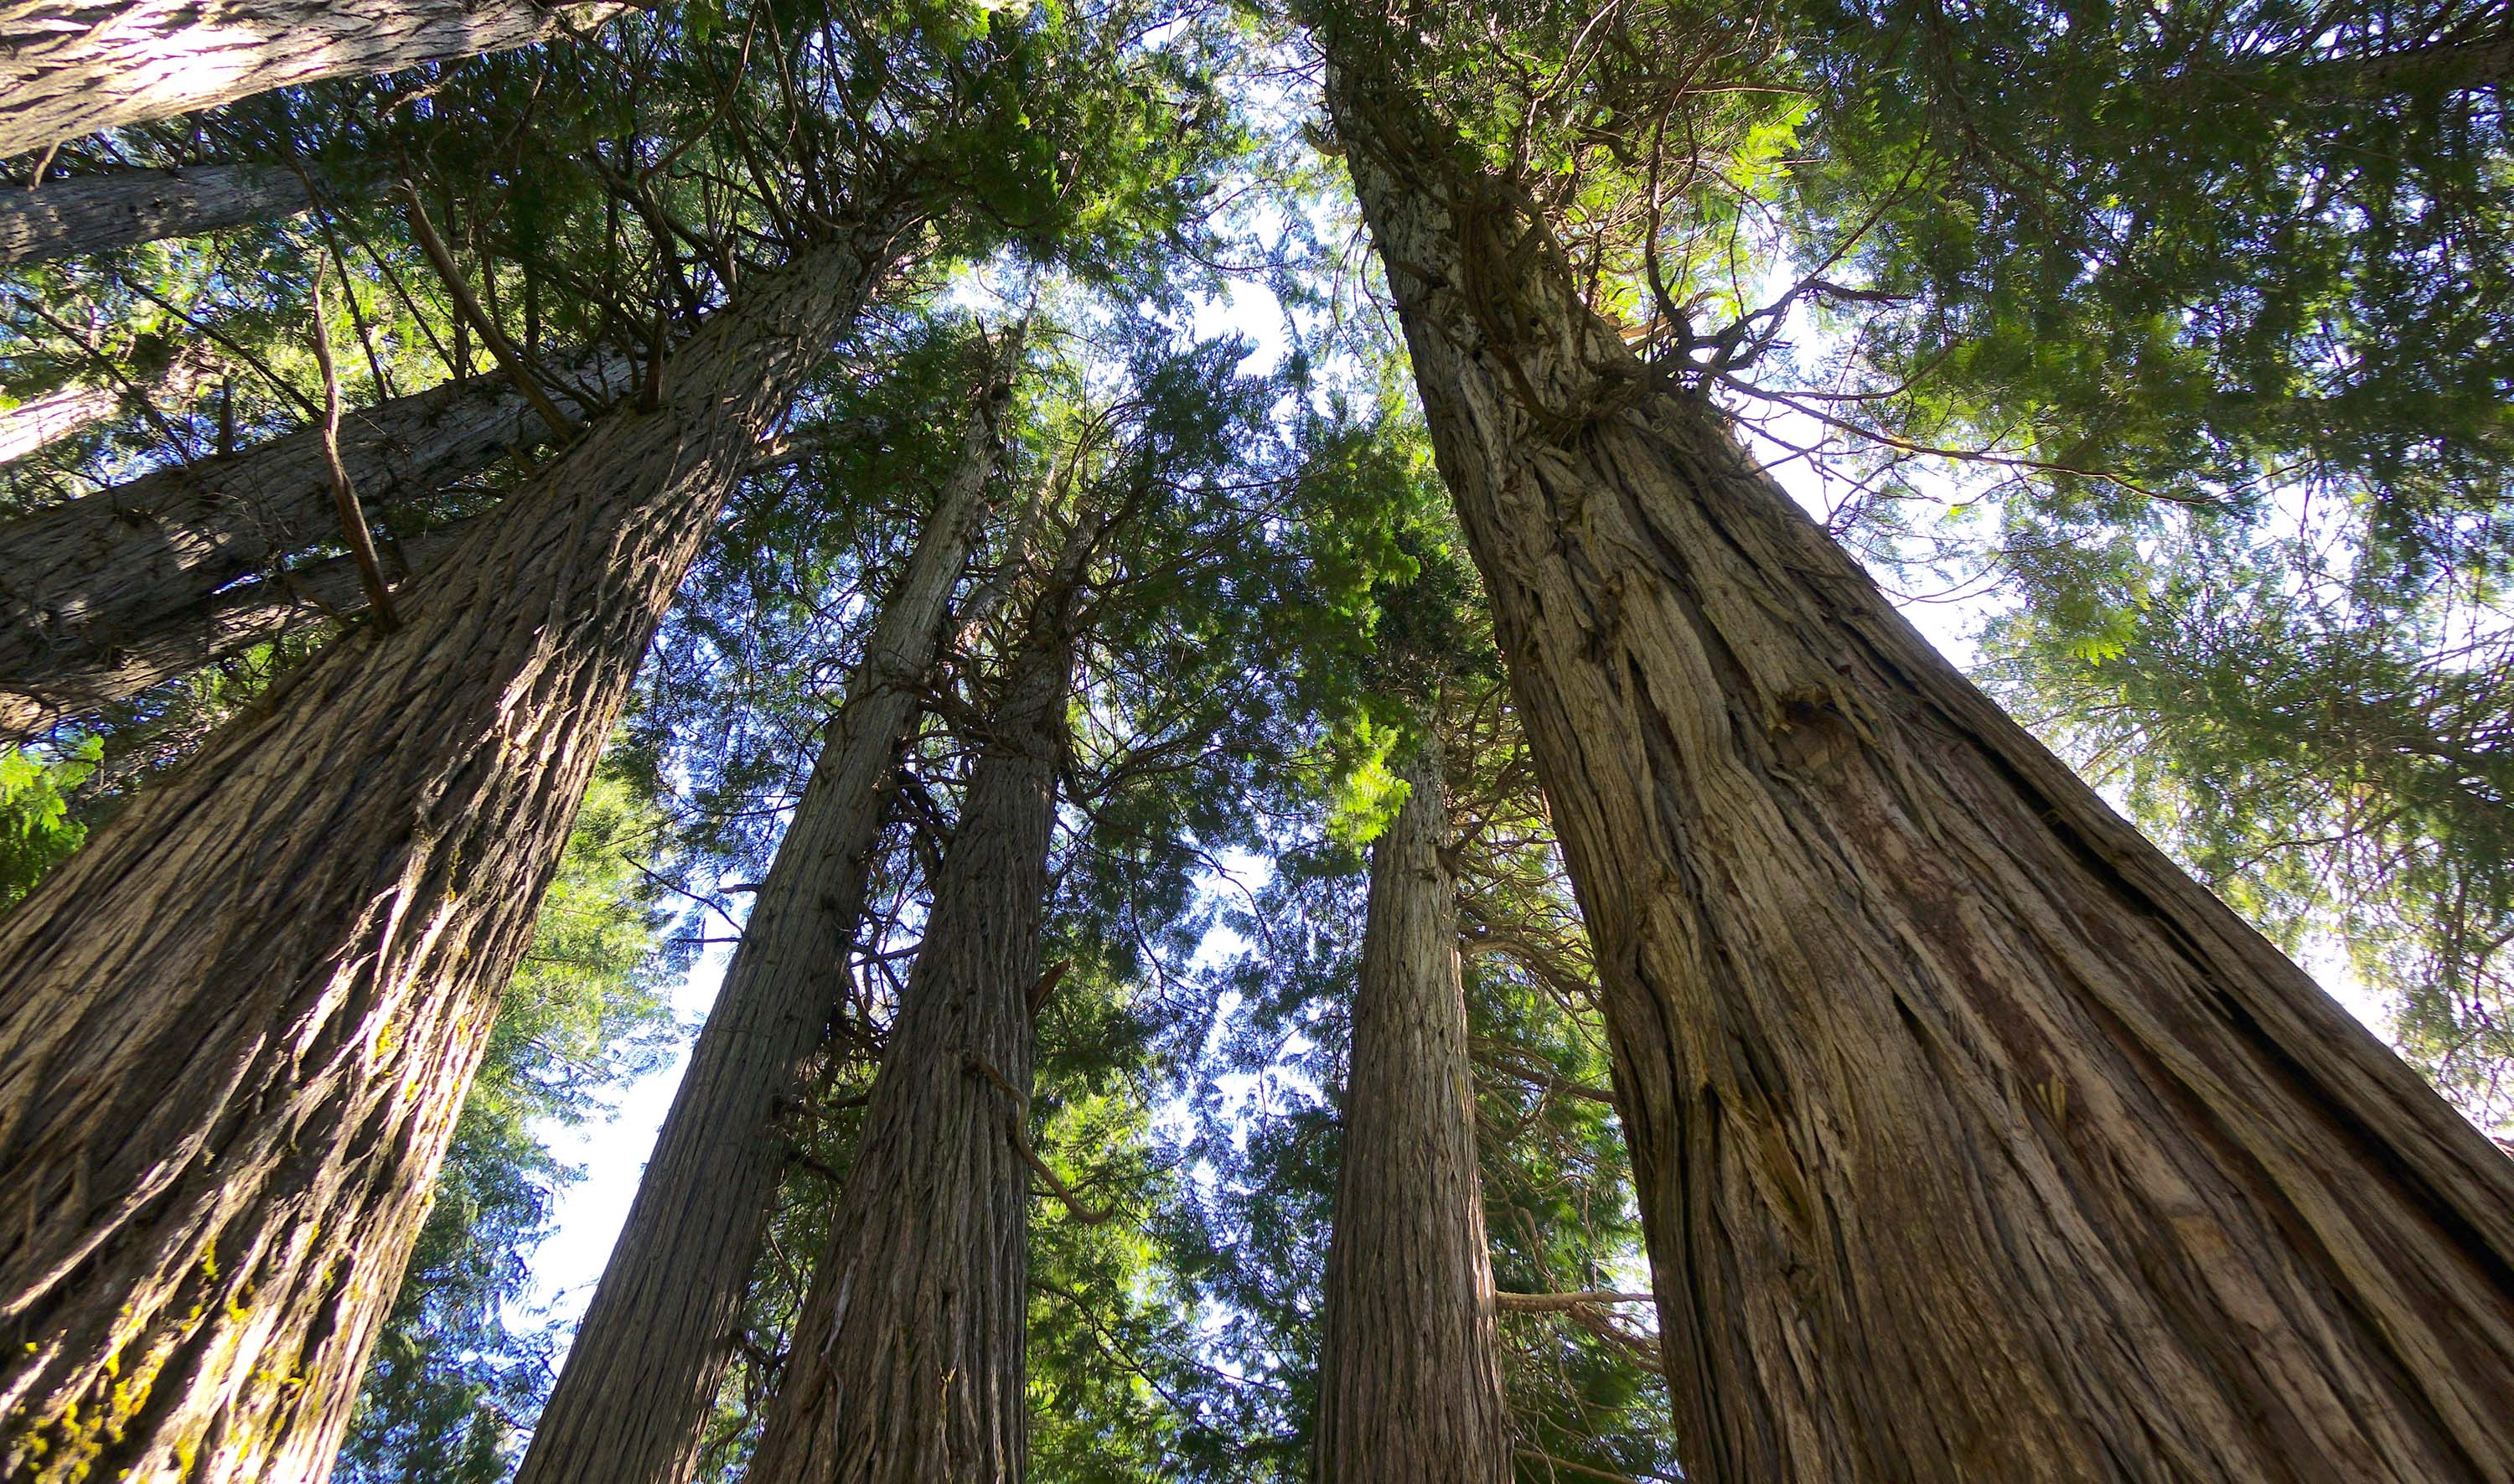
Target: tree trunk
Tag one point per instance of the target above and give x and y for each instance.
(97, 213)
(80, 580)
(2442, 66)
(235, 1030)
(69, 67)
(1409, 1374)
(38, 422)
(73, 682)
(907, 1363)
(633, 1403)
(1971, 1138)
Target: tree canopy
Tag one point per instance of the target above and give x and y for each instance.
(2169, 353)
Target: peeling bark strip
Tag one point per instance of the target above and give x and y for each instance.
(83, 679)
(632, 1404)
(907, 1364)
(235, 1030)
(96, 213)
(1973, 1139)
(81, 579)
(69, 67)
(1409, 1372)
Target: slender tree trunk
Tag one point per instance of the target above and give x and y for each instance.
(81, 579)
(906, 1364)
(38, 422)
(69, 67)
(632, 1404)
(119, 209)
(235, 1030)
(79, 680)
(1972, 1140)
(1409, 1377)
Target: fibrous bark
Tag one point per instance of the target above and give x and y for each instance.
(1410, 1371)
(1971, 1138)
(78, 680)
(81, 579)
(100, 212)
(907, 1363)
(632, 1404)
(235, 1030)
(69, 67)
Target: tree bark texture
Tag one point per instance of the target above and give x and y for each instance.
(1973, 1139)
(38, 422)
(907, 1363)
(235, 1030)
(632, 1404)
(97, 213)
(79, 680)
(69, 67)
(81, 579)
(1409, 1374)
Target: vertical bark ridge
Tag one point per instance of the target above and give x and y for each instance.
(236, 1029)
(73, 217)
(1973, 1139)
(907, 1363)
(80, 578)
(1409, 1378)
(633, 1403)
(69, 67)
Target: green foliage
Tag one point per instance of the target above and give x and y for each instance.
(463, 1364)
(37, 830)
(2205, 254)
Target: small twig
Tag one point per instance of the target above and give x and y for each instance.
(510, 360)
(344, 498)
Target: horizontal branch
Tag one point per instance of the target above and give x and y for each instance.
(1554, 1303)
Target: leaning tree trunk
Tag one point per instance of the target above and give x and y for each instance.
(907, 1365)
(1972, 1140)
(235, 1030)
(83, 679)
(69, 67)
(96, 213)
(82, 579)
(38, 422)
(1409, 1374)
(632, 1404)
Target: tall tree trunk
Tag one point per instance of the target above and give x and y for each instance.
(81, 679)
(97, 213)
(632, 1404)
(907, 1365)
(38, 422)
(1409, 1376)
(235, 1030)
(69, 67)
(1971, 1138)
(82, 579)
